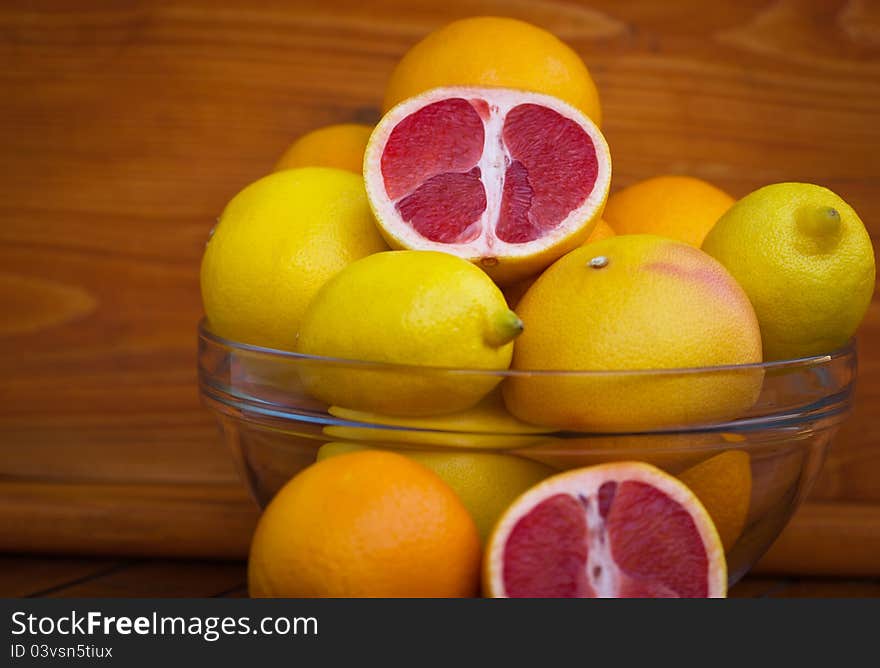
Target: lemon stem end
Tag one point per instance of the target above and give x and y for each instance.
(821, 223)
(504, 328)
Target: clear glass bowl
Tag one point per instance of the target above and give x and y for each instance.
(274, 428)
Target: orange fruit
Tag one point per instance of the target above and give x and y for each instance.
(602, 231)
(341, 146)
(621, 530)
(366, 524)
(633, 303)
(679, 207)
(486, 482)
(495, 51)
(723, 484)
(673, 453)
(779, 473)
(507, 179)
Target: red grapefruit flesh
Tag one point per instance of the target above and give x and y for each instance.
(620, 530)
(507, 179)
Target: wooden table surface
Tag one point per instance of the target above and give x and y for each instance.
(126, 126)
(38, 576)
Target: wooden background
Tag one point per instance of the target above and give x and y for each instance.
(126, 126)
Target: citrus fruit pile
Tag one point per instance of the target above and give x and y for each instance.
(458, 254)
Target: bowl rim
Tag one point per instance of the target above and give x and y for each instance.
(205, 334)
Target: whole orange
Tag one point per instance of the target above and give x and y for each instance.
(602, 231)
(679, 207)
(495, 51)
(367, 524)
(723, 484)
(341, 146)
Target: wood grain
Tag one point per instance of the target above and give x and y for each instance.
(809, 588)
(39, 576)
(126, 126)
(828, 538)
(170, 520)
(160, 579)
(151, 520)
(758, 587)
(67, 578)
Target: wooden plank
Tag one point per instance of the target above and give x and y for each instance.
(238, 592)
(792, 587)
(758, 587)
(68, 578)
(30, 575)
(126, 127)
(161, 579)
(828, 588)
(153, 520)
(34, 576)
(217, 521)
(828, 539)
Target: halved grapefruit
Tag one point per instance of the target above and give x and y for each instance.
(620, 530)
(508, 179)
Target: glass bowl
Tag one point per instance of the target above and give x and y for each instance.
(274, 427)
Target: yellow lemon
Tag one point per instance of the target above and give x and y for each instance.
(679, 207)
(634, 303)
(495, 51)
(275, 245)
(424, 309)
(486, 483)
(370, 524)
(341, 146)
(805, 259)
(486, 426)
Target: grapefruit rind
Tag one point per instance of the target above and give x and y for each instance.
(505, 262)
(587, 481)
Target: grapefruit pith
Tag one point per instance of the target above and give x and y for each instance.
(620, 530)
(508, 179)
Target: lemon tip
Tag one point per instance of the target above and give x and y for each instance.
(819, 222)
(505, 327)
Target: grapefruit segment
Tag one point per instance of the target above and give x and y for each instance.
(553, 536)
(446, 136)
(620, 530)
(508, 179)
(555, 158)
(446, 207)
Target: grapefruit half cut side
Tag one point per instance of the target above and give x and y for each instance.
(620, 530)
(508, 179)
